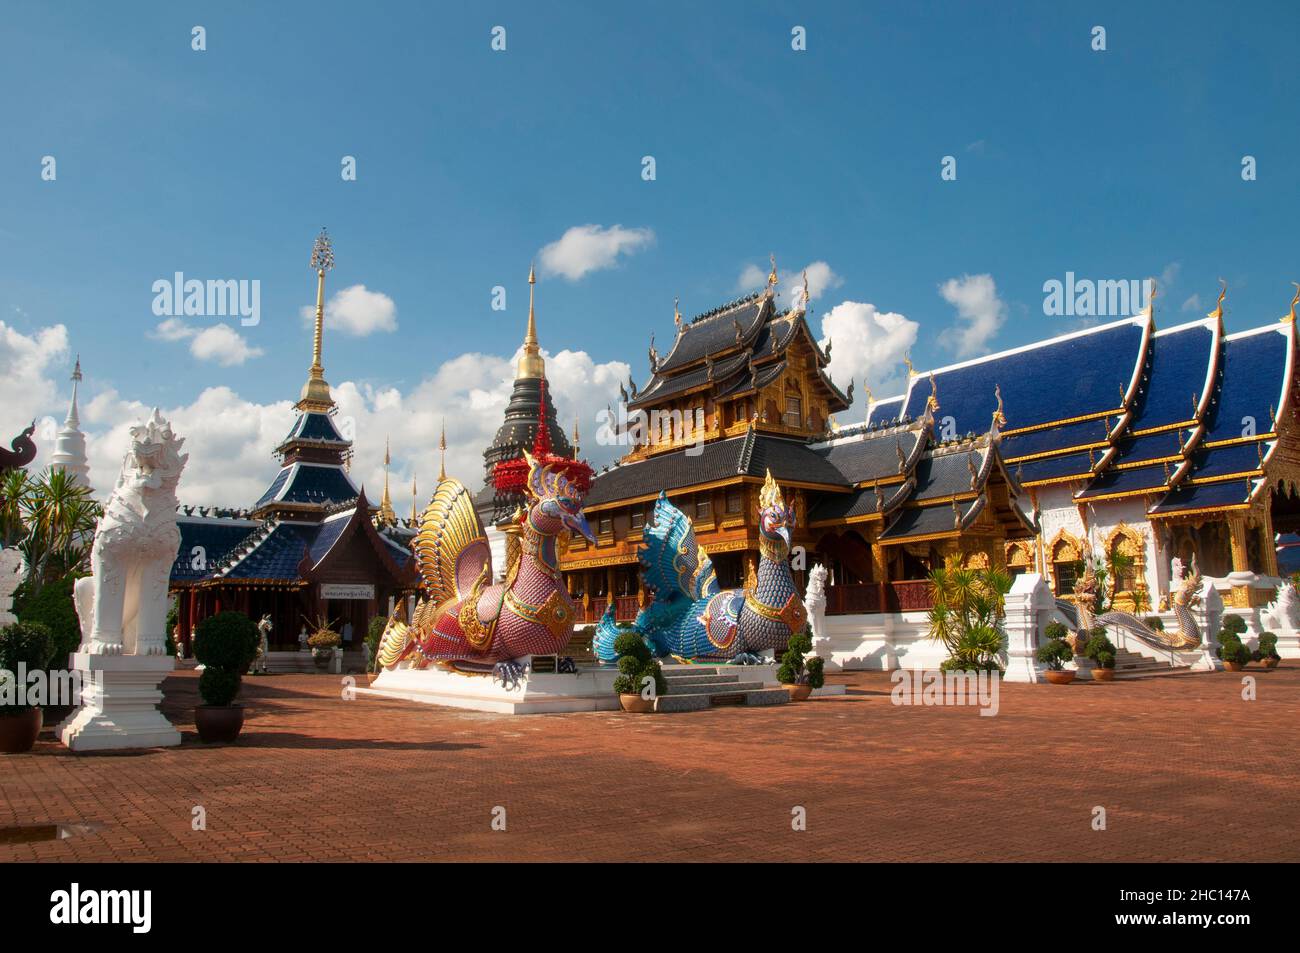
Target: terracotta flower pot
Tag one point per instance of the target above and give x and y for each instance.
(219, 723)
(798, 693)
(1103, 675)
(1062, 676)
(18, 732)
(1232, 666)
(1270, 662)
(636, 703)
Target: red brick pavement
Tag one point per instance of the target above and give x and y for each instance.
(1185, 768)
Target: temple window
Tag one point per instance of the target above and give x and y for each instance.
(605, 525)
(638, 519)
(793, 410)
(703, 507)
(735, 502)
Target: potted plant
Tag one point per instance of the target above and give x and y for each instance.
(1055, 652)
(30, 645)
(1235, 656)
(1267, 651)
(225, 645)
(323, 642)
(800, 675)
(1102, 652)
(635, 665)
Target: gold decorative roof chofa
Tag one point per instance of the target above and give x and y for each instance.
(1217, 313)
(316, 396)
(531, 364)
(1294, 301)
(771, 278)
(770, 494)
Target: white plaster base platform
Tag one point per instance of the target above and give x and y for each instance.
(592, 689)
(119, 704)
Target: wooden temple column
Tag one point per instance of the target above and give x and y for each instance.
(611, 576)
(1266, 545)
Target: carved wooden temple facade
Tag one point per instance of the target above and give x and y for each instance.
(1156, 445)
(312, 546)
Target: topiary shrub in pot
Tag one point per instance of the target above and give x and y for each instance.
(797, 673)
(24, 647)
(1234, 654)
(1102, 652)
(225, 645)
(1055, 652)
(635, 666)
(1267, 651)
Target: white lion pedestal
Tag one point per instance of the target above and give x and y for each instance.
(122, 606)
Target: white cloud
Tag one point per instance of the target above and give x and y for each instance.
(821, 279)
(1193, 302)
(356, 311)
(230, 439)
(28, 389)
(219, 343)
(868, 345)
(587, 248)
(980, 314)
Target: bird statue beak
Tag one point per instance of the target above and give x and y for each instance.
(784, 533)
(578, 525)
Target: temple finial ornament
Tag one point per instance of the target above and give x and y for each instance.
(677, 315)
(1294, 301)
(1217, 313)
(932, 402)
(386, 516)
(531, 365)
(576, 448)
(442, 453)
(999, 418)
(907, 360)
(415, 501)
(316, 397)
(1151, 298)
(771, 278)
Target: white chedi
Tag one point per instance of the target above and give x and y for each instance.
(123, 604)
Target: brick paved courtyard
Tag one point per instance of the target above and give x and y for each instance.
(1185, 769)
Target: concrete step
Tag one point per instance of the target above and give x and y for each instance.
(688, 683)
(697, 701)
(723, 688)
(675, 668)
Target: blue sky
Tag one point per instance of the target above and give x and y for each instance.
(224, 164)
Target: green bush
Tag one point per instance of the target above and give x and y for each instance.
(1234, 624)
(218, 686)
(225, 643)
(635, 664)
(1234, 652)
(794, 669)
(1267, 647)
(816, 671)
(29, 644)
(1055, 653)
(1228, 641)
(1100, 649)
(53, 607)
(1056, 630)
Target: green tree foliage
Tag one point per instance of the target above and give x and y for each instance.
(225, 644)
(27, 643)
(966, 615)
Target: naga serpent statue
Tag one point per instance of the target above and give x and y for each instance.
(1188, 634)
(22, 452)
(690, 617)
(464, 622)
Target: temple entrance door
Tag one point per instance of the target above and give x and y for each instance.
(345, 612)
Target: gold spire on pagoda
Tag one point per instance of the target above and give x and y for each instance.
(386, 516)
(415, 501)
(575, 438)
(442, 453)
(316, 395)
(531, 364)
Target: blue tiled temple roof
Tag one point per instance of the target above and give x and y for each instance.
(329, 534)
(310, 483)
(1074, 375)
(1254, 367)
(1233, 461)
(1151, 446)
(1181, 359)
(1054, 468)
(277, 555)
(312, 426)
(1203, 497)
(926, 520)
(217, 537)
(1116, 482)
(1081, 433)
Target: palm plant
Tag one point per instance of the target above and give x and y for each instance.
(51, 520)
(966, 614)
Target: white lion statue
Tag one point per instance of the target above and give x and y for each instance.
(123, 605)
(1282, 616)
